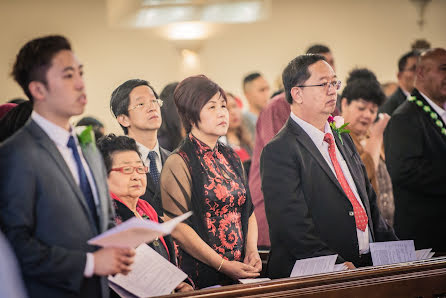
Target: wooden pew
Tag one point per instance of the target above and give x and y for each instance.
(425, 278)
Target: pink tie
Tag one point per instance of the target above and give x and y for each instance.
(361, 218)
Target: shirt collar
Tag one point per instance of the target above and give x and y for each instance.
(202, 146)
(406, 93)
(145, 151)
(315, 134)
(56, 133)
(440, 111)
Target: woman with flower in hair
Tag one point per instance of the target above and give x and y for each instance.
(218, 243)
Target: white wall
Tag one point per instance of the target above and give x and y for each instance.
(368, 33)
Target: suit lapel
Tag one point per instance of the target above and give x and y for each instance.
(95, 170)
(307, 143)
(47, 144)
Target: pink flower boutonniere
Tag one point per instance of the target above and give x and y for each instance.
(337, 125)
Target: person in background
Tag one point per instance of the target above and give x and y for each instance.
(127, 183)
(136, 106)
(15, 119)
(17, 100)
(257, 93)
(238, 136)
(389, 88)
(53, 186)
(171, 131)
(98, 127)
(406, 79)
(218, 243)
(415, 146)
(360, 101)
(5, 108)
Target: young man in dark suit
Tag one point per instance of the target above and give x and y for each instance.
(136, 106)
(318, 199)
(406, 80)
(415, 145)
(53, 188)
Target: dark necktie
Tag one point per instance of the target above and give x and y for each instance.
(153, 169)
(361, 218)
(83, 180)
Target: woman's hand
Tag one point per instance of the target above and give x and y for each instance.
(253, 259)
(184, 287)
(237, 270)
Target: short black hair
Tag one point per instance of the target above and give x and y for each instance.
(296, 72)
(318, 49)
(250, 77)
(95, 124)
(17, 100)
(402, 62)
(111, 143)
(368, 90)
(120, 100)
(34, 60)
(361, 73)
(15, 119)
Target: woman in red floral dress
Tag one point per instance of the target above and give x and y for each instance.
(218, 243)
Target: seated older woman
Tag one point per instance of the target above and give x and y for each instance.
(360, 101)
(218, 243)
(127, 182)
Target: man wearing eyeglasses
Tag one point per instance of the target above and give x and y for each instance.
(406, 80)
(136, 106)
(318, 199)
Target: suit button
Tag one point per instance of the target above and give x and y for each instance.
(351, 213)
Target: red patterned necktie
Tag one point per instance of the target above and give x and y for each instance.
(361, 218)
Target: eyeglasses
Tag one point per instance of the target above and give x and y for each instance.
(141, 105)
(129, 170)
(335, 84)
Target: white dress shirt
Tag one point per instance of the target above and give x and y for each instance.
(145, 155)
(317, 136)
(60, 137)
(440, 111)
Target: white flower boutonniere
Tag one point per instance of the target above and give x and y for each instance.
(338, 126)
(85, 135)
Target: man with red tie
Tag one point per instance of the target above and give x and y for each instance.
(318, 198)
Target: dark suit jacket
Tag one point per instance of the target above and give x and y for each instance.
(416, 161)
(393, 102)
(45, 216)
(308, 213)
(153, 194)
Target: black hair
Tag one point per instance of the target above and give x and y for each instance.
(368, 90)
(34, 60)
(361, 73)
(111, 143)
(296, 72)
(120, 100)
(15, 119)
(318, 49)
(95, 124)
(402, 62)
(169, 134)
(17, 100)
(250, 77)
